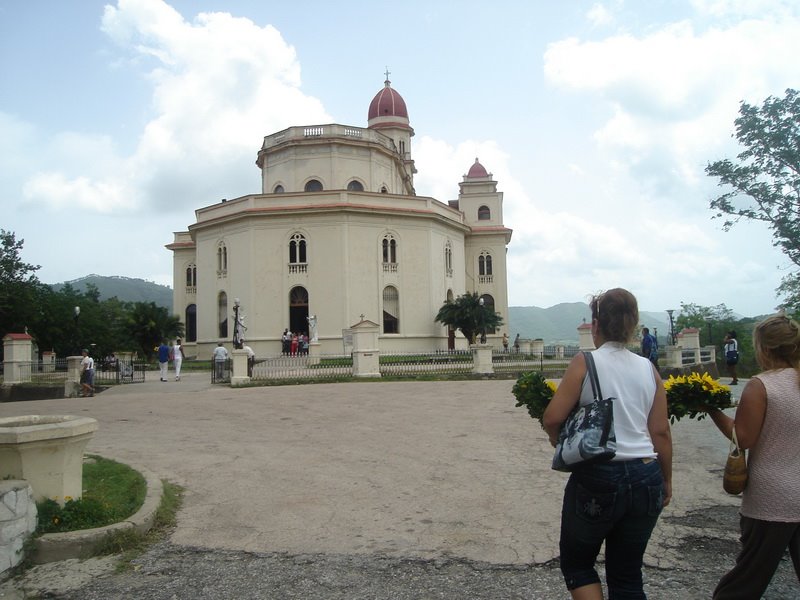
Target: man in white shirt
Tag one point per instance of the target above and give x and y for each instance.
(87, 374)
(220, 356)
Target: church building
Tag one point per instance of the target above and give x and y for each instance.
(338, 232)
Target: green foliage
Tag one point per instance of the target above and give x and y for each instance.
(690, 395)
(765, 178)
(19, 287)
(533, 392)
(469, 315)
(113, 493)
(147, 324)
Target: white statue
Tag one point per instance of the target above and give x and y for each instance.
(312, 327)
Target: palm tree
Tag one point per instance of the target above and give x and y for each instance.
(469, 314)
(148, 324)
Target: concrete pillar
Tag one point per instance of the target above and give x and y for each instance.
(239, 375)
(72, 385)
(366, 354)
(689, 338)
(48, 362)
(482, 359)
(674, 357)
(525, 346)
(585, 341)
(314, 353)
(17, 358)
(537, 348)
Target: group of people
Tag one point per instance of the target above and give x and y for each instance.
(294, 344)
(505, 343)
(173, 353)
(618, 502)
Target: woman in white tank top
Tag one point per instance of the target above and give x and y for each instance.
(616, 502)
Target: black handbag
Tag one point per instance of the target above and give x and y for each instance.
(587, 436)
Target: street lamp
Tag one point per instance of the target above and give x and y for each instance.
(76, 313)
(671, 326)
(481, 302)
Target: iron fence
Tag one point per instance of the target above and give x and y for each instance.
(221, 371)
(301, 366)
(551, 361)
(410, 364)
(119, 372)
(43, 373)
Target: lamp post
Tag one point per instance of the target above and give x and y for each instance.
(76, 312)
(481, 302)
(671, 326)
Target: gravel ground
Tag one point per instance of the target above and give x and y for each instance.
(171, 572)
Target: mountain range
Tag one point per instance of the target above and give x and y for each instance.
(556, 324)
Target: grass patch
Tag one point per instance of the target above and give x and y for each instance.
(112, 493)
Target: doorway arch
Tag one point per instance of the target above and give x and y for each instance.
(298, 309)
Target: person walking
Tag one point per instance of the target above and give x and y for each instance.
(616, 502)
(731, 351)
(163, 360)
(220, 355)
(87, 374)
(649, 346)
(177, 358)
(766, 422)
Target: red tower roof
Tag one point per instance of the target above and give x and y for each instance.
(387, 103)
(477, 170)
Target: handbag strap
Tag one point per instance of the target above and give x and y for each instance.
(734, 441)
(591, 370)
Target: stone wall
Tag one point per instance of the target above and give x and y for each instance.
(17, 521)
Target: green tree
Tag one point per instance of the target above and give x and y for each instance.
(765, 178)
(147, 324)
(468, 314)
(19, 287)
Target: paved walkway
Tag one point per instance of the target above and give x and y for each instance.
(406, 470)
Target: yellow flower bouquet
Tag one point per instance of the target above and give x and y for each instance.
(689, 395)
(533, 392)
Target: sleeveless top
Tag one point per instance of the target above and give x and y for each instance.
(629, 379)
(773, 486)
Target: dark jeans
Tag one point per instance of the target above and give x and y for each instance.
(615, 502)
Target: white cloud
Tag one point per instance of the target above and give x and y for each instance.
(219, 84)
(599, 15)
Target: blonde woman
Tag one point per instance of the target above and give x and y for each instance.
(767, 421)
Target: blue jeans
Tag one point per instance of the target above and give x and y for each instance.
(615, 502)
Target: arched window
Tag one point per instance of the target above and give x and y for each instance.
(384, 190)
(448, 259)
(222, 314)
(391, 310)
(191, 323)
(488, 302)
(355, 186)
(313, 185)
(297, 254)
(484, 214)
(191, 277)
(485, 268)
(298, 309)
(389, 253)
(278, 189)
(222, 260)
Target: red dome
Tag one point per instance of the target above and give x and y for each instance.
(387, 103)
(477, 170)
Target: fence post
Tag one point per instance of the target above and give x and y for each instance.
(72, 385)
(674, 357)
(366, 355)
(239, 374)
(482, 359)
(585, 341)
(313, 353)
(16, 358)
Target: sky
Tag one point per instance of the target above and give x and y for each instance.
(596, 119)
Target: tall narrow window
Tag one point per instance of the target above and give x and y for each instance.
(313, 185)
(297, 254)
(488, 302)
(448, 259)
(484, 214)
(222, 260)
(389, 252)
(191, 278)
(222, 314)
(391, 310)
(485, 268)
(191, 323)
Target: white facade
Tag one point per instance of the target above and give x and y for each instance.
(338, 232)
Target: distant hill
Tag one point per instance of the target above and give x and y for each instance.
(126, 289)
(559, 323)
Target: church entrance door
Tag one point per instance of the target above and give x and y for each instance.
(298, 310)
